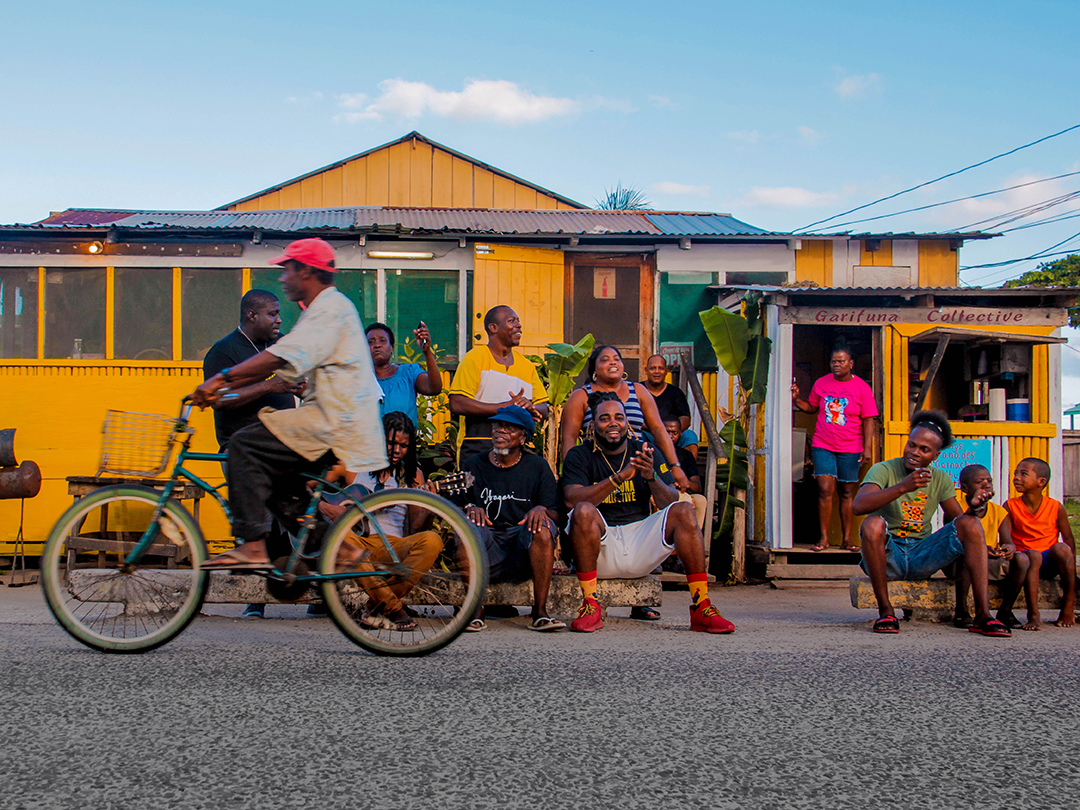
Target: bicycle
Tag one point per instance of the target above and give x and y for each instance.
(121, 569)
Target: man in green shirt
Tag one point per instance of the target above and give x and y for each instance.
(900, 497)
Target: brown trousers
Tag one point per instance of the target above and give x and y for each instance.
(417, 552)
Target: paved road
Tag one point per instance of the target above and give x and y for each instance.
(802, 707)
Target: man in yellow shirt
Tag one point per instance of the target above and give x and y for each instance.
(997, 527)
(494, 376)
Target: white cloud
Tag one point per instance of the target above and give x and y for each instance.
(747, 136)
(663, 102)
(858, 86)
(500, 101)
(612, 104)
(787, 197)
(679, 189)
(810, 136)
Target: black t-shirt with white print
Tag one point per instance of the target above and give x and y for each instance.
(508, 493)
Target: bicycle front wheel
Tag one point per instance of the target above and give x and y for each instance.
(420, 603)
(107, 603)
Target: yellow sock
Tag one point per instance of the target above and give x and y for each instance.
(588, 584)
(699, 587)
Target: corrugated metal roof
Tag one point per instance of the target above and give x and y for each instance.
(674, 224)
(491, 221)
(416, 220)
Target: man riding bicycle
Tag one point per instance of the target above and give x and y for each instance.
(338, 417)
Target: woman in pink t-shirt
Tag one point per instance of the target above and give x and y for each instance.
(843, 438)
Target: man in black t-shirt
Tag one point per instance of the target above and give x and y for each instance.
(513, 501)
(260, 327)
(607, 484)
(670, 402)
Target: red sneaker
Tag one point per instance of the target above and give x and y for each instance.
(588, 617)
(704, 618)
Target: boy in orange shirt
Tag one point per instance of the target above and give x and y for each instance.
(1037, 521)
(997, 528)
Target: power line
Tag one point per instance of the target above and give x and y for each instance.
(1048, 221)
(1042, 254)
(950, 202)
(943, 177)
(1027, 211)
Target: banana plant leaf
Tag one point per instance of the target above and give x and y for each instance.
(754, 374)
(732, 477)
(564, 362)
(729, 335)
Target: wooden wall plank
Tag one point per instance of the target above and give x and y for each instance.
(291, 196)
(378, 178)
(420, 175)
(504, 193)
(524, 197)
(442, 179)
(483, 188)
(399, 157)
(333, 188)
(882, 257)
(355, 181)
(938, 264)
(461, 193)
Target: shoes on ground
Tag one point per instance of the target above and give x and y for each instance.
(588, 619)
(254, 612)
(704, 618)
(317, 610)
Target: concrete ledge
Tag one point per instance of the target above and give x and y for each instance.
(564, 597)
(934, 599)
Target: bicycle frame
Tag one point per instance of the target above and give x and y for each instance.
(307, 523)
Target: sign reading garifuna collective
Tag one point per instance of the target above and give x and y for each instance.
(934, 316)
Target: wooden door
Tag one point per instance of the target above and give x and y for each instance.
(612, 298)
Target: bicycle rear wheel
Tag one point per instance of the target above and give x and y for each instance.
(440, 580)
(106, 603)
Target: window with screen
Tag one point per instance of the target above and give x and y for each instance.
(142, 327)
(210, 308)
(430, 296)
(18, 312)
(360, 287)
(75, 314)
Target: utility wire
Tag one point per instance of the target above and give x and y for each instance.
(950, 202)
(1027, 211)
(943, 177)
(1042, 254)
(1048, 221)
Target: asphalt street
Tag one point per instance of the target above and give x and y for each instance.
(802, 707)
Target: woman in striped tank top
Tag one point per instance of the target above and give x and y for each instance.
(605, 372)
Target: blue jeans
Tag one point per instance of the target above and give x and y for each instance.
(913, 559)
(844, 467)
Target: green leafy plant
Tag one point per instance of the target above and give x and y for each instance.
(1064, 272)
(557, 371)
(744, 351)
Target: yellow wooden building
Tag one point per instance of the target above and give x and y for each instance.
(105, 309)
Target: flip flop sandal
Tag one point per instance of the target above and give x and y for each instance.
(475, 626)
(645, 614)
(887, 624)
(222, 563)
(991, 627)
(962, 622)
(546, 624)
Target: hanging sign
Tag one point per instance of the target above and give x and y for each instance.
(603, 282)
(935, 316)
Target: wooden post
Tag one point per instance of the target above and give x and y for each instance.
(931, 373)
(715, 448)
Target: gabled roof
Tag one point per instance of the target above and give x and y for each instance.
(412, 136)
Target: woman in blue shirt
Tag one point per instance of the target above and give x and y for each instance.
(402, 382)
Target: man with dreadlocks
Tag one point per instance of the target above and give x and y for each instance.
(417, 550)
(607, 484)
(901, 496)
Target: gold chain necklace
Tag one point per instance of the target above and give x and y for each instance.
(621, 463)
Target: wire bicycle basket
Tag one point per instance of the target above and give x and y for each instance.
(136, 444)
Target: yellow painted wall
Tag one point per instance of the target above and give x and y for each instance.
(58, 408)
(939, 264)
(814, 262)
(528, 279)
(412, 174)
(1025, 438)
(882, 257)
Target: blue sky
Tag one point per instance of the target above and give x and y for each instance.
(781, 113)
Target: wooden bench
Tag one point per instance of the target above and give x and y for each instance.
(935, 599)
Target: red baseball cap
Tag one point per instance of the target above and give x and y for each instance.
(312, 252)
